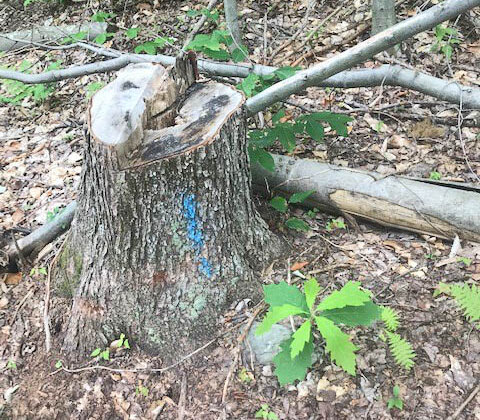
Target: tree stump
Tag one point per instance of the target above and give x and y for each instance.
(166, 236)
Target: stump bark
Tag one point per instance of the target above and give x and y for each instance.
(165, 236)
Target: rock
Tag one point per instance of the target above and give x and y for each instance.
(267, 371)
(266, 346)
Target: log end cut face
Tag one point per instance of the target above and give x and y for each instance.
(198, 122)
(142, 117)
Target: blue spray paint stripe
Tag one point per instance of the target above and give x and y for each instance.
(195, 234)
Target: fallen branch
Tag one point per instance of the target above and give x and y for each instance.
(359, 53)
(399, 202)
(392, 75)
(15, 40)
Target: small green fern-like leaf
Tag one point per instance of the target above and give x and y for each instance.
(468, 299)
(390, 318)
(401, 349)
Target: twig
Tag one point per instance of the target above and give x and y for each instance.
(238, 350)
(464, 404)
(310, 6)
(183, 397)
(20, 305)
(136, 370)
(199, 24)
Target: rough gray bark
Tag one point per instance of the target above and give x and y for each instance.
(165, 236)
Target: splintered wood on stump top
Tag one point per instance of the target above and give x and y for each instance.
(166, 236)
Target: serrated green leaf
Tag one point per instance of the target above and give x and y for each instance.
(276, 314)
(468, 299)
(202, 41)
(338, 122)
(297, 224)
(279, 204)
(353, 316)
(300, 197)
(280, 114)
(148, 47)
(312, 288)
(390, 318)
(289, 370)
(315, 130)
(301, 337)
(338, 344)
(286, 136)
(262, 157)
(283, 293)
(248, 84)
(348, 295)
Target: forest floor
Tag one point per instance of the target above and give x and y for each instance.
(394, 131)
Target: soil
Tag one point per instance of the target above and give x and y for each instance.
(394, 131)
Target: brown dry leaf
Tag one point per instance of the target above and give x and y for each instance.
(298, 265)
(18, 215)
(395, 245)
(396, 142)
(427, 129)
(13, 278)
(474, 48)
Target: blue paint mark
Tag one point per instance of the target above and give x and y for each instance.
(195, 234)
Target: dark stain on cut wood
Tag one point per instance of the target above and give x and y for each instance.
(129, 85)
(166, 143)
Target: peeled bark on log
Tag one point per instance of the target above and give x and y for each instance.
(46, 34)
(165, 236)
(402, 203)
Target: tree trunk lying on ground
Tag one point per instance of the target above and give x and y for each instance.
(165, 236)
(424, 206)
(47, 34)
(436, 208)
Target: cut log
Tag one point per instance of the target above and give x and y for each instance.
(165, 236)
(438, 209)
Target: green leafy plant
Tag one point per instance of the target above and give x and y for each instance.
(102, 16)
(285, 133)
(18, 91)
(435, 176)
(59, 364)
(102, 38)
(212, 15)
(254, 83)
(280, 204)
(71, 39)
(265, 413)
(102, 354)
(94, 87)
(52, 214)
(350, 306)
(245, 376)
(446, 39)
(122, 342)
(38, 271)
(11, 365)
(215, 45)
(395, 401)
(142, 390)
(466, 297)
(400, 348)
(150, 47)
(337, 223)
(132, 33)
(465, 260)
